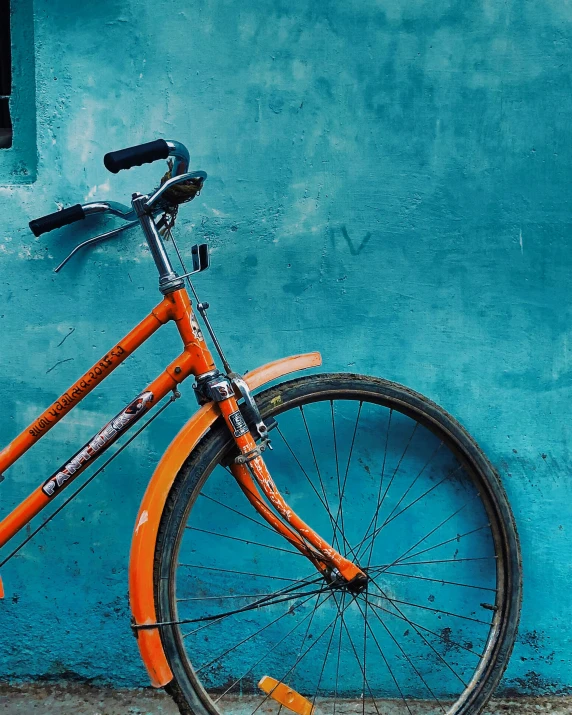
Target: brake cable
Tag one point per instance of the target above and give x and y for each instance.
(168, 221)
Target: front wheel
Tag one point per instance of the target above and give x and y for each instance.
(398, 487)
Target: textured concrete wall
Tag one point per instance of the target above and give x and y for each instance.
(389, 183)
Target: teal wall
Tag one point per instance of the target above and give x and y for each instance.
(389, 184)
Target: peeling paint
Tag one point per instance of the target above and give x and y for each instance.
(143, 519)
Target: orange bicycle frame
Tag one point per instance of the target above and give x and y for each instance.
(195, 359)
(220, 393)
(250, 473)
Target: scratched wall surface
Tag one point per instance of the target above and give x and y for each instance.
(389, 183)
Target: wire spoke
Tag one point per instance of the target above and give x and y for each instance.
(306, 634)
(420, 635)
(283, 590)
(410, 487)
(306, 549)
(339, 657)
(249, 607)
(430, 533)
(378, 505)
(300, 658)
(439, 580)
(399, 513)
(430, 646)
(390, 483)
(236, 511)
(390, 634)
(401, 649)
(316, 465)
(304, 472)
(429, 608)
(424, 628)
(340, 513)
(253, 635)
(435, 561)
(323, 665)
(350, 639)
(375, 533)
(223, 598)
(365, 627)
(241, 573)
(245, 541)
(273, 648)
(325, 504)
(392, 478)
(334, 538)
(457, 538)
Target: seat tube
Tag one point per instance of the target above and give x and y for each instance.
(169, 281)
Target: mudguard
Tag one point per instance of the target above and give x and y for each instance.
(141, 590)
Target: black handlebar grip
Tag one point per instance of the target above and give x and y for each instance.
(136, 155)
(57, 219)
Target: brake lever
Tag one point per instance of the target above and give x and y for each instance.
(96, 239)
(126, 213)
(171, 182)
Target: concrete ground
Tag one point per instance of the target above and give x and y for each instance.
(83, 700)
(88, 700)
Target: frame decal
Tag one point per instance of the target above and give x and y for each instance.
(75, 393)
(239, 425)
(99, 443)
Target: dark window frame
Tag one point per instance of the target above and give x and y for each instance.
(5, 75)
(19, 163)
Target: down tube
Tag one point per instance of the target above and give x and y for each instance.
(42, 496)
(93, 377)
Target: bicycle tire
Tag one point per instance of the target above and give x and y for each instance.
(186, 689)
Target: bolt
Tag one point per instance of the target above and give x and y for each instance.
(177, 370)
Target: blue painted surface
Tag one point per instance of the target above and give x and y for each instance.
(388, 184)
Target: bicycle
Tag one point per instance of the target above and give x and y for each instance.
(239, 604)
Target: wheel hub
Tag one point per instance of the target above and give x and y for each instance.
(356, 586)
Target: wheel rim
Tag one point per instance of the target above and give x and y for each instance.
(417, 516)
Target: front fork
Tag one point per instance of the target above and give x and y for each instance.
(250, 464)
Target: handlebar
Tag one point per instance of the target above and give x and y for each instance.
(77, 213)
(147, 153)
(57, 220)
(115, 161)
(177, 187)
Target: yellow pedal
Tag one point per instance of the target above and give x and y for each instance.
(287, 697)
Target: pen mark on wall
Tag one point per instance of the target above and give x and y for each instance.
(58, 363)
(353, 250)
(66, 337)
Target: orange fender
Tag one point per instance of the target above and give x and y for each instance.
(141, 590)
